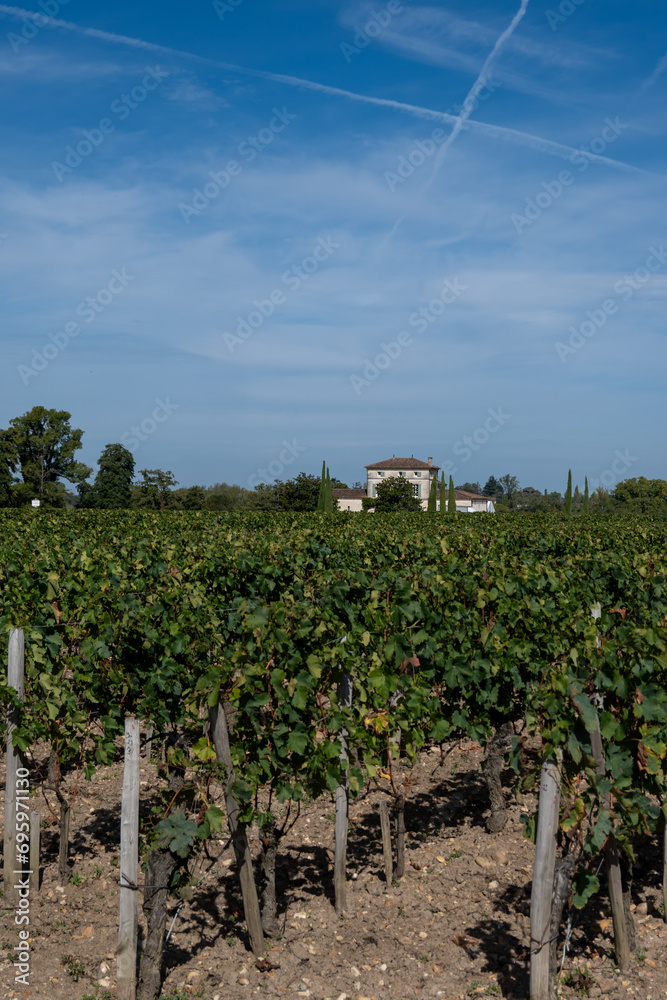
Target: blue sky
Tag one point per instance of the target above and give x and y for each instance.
(245, 236)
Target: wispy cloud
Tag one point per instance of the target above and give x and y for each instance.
(535, 142)
(189, 92)
(439, 35)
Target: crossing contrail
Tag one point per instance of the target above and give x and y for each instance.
(538, 143)
(478, 85)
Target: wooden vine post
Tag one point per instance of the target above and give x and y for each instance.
(126, 951)
(15, 680)
(612, 867)
(220, 736)
(400, 835)
(611, 853)
(344, 691)
(543, 880)
(35, 842)
(385, 825)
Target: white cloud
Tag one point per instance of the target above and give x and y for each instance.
(189, 92)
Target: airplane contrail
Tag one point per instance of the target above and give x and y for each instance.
(660, 68)
(478, 85)
(538, 143)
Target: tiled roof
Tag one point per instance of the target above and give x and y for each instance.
(401, 463)
(464, 495)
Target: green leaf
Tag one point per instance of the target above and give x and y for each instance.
(297, 741)
(608, 726)
(314, 666)
(178, 833)
(300, 697)
(588, 712)
(202, 750)
(585, 885)
(440, 731)
(213, 820)
(574, 747)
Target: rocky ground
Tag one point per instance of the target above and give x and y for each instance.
(456, 926)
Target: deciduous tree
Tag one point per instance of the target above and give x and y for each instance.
(394, 494)
(154, 491)
(112, 489)
(510, 487)
(41, 445)
(7, 469)
(641, 496)
(299, 494)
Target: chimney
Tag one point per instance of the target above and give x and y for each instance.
(430, 460)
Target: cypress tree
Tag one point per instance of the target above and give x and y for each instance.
(321, 500)
(568, 495)
(451, 500)
(584, 509)
(432, 495)
(443, 504)
(328, 495)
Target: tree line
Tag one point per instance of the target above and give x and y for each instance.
(37, 461)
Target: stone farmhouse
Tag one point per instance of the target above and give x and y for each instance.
(422, 475)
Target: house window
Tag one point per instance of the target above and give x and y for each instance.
(373, 489)
(417, 489)
(402, 474)
(380, 473)
(417, 473)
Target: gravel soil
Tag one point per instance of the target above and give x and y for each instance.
(456, 926)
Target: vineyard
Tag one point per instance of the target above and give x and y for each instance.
(279, 664)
